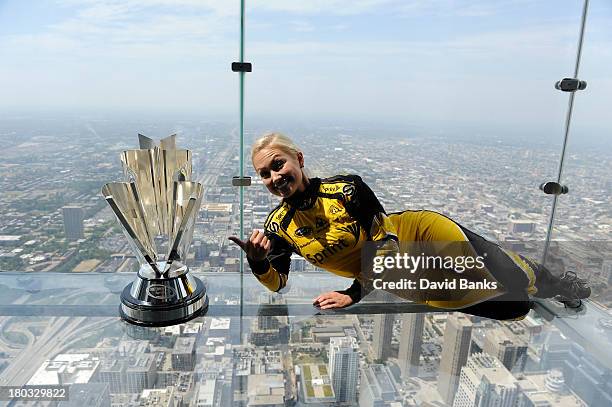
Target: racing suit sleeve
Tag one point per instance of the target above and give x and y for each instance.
(363, 205)
(273, 271)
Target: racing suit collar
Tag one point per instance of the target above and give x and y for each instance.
(306, 198)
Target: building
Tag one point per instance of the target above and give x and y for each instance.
(112, 372)
(66, 368)
(522, 226)
(382, 333)
(315, 384)
(73, 222)
(89, 394)
(546, 389)
(9, 240)
(268, 330)
(378, 388)
(158, 398)
(484, 382)
(344, 368)
(411, 340)
(200, 250)
(508, 348)
(206, 393)
(606, 271)
(266, 390)
(554, 351)
(132, 374)
(184, 354)
(141, 373)
(587, 376)
(455, 351)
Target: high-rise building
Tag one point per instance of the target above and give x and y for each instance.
(199, 250)
(141, 373)
(555, 351)
(538, 389)
(73, 222)
(587, 376)
(132, 368)
(112, 372)
(378, 388)
(381, 336)
(411, 340)
(484, 381)
(455, 351)
(270, 330)
(88, 394)
(205, 396)
(184, 354)
(344, 368)
(507, 347)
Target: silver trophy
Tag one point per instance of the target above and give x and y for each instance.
(157, 208)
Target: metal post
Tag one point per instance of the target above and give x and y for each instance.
(568, 119)
(242, 237)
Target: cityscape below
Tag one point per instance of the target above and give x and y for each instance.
(64, 255)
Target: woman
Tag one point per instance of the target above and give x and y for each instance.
(329, 222)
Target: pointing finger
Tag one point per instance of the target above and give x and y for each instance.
(237, 241)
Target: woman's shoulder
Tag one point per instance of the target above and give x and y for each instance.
(341, 178)
(346, 184)
(276, 217)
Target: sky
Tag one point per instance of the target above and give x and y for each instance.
(493, 62)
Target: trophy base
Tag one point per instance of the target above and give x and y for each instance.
(163, 301)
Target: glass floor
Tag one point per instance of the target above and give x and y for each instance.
(277, 350)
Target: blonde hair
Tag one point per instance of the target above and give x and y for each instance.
(274, 140)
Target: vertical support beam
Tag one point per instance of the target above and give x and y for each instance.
(568, 119)
(242, 237)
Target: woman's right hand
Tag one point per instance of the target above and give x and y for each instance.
(256, 248)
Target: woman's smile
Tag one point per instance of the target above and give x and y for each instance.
(280, 172)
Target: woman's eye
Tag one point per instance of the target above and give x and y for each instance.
(277, 165)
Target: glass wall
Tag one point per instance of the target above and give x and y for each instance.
(444, 106)
(581, 232)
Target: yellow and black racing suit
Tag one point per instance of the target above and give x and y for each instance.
(329, 223)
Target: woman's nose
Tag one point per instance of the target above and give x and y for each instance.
(276, 176)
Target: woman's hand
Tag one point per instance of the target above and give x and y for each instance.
(332, 299)
(256, 248)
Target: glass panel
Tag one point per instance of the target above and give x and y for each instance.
(445, 107)
(289, 352)
(81, 80)
(582, 222)
(449, 107)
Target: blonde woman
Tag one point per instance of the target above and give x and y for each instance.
(329, 222)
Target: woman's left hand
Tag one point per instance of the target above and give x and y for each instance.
(332, 299)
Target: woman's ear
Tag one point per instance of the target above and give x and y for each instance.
(300, 157)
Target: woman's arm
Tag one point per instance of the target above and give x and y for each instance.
(363, 205)
(269, 257)
(354, 291)
(273, 270)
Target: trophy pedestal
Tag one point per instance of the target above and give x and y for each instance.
(162, 300)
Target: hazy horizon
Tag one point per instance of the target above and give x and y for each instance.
(410, 62)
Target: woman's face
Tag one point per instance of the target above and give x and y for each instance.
(281, 172)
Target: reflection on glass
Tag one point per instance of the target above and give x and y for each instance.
(285, 356)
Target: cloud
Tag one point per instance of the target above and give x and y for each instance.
(302, 26)
(138, 52)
